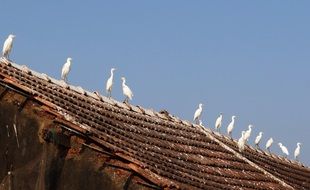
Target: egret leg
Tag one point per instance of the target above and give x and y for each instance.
(197, 121)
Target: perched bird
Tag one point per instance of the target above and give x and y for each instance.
(248, 133)
(241, 142)
(198, 113)
(231, 126)
(66, 69)
(258, 138)
(218, 122)
(7, 46)
(268, 144)
(297, 151)
(126, 90)
(284, 149)
(110, 83)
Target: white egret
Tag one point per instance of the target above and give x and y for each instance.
(241, 142)
(268, 144)
(7, 46)
(218, 122)
(110, 83)
(258, 138)
(284, 149)
(248, 133)
(198, 113)
(66, 69)
(297, 151)
(126, 90)
(231, 126)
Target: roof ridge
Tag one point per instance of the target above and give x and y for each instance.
(53, 92)
(207, 132)
(261, 151)
(165, 115)
(95, 95)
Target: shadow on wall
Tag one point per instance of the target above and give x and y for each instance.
(29, 163)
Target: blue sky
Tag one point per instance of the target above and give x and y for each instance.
(249, 59)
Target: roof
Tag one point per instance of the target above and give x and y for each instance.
(168, 151)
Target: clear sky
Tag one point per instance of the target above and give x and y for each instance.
(245, 58)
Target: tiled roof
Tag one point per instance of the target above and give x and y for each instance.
(168, 151)
(292, 172)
